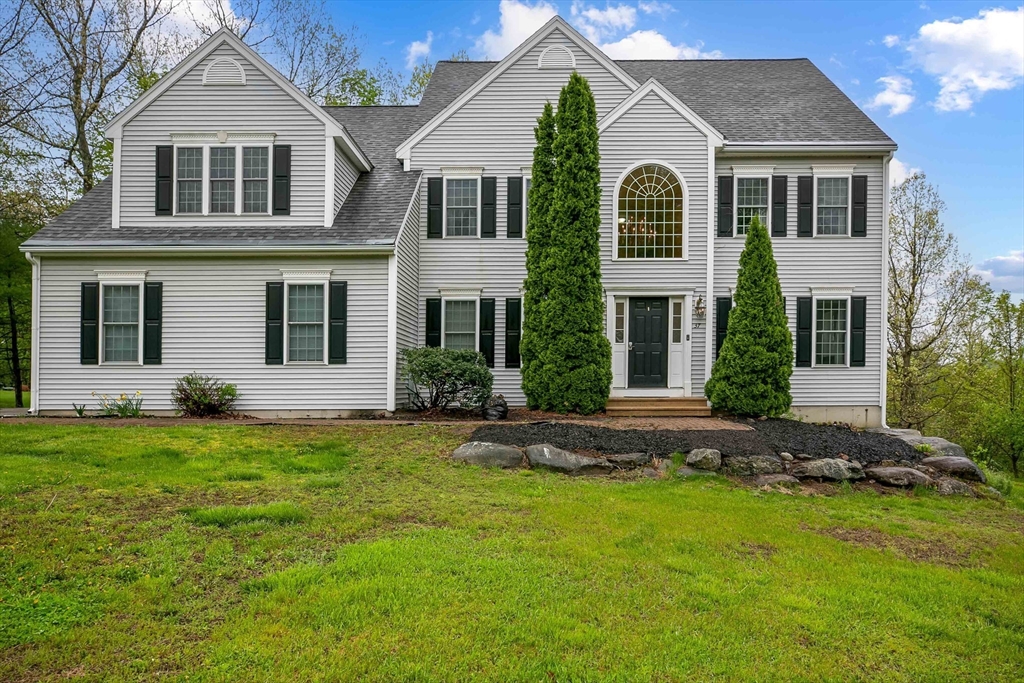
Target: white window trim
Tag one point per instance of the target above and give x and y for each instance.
(444, 203)
(814, 329)
(306, 277)
(833, 172)
(760, 172)
(615, 213)
(206, 141)
(476, 325)
(121, 277)
(527, 179)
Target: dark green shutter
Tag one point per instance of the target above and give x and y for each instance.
(164, 180)
(282, 180)
(489, 207)
(435, 208)
(433, 322)
(152, 330)
(514, 203)
(487, 330)
(89, 342)
(723, 305)
(779, 199)
(513, 331)
(858, 330)
(804, 208)
(725, 206)
(803, 331)
(859, 222)
(337, 334)
(274, 342)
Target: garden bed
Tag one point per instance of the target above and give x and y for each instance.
(767, 438)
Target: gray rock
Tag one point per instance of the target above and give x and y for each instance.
(663, 465)
(938, 446)
(488, 454)
(776, 480)
(787, 457)
(704, 459)
(629, 461)
(652, 473)
(495, 408)
(957, 466)
(688, 472)
(887, 463)
(947, 486)
(752, 465)
(832, 469)
(898, 476)
(898, 433)
(991, 492)
(803, 456)
(546, 456)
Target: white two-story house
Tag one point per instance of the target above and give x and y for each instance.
(295, 250)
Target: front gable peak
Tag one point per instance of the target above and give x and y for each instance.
(653, 87)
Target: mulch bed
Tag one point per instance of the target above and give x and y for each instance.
(769, 437)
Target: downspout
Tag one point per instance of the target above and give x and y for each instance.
(709, 296)
(884, 373)
(33, 406)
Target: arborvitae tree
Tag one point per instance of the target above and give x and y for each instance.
(576, 370)
(537, 232)
(751, 375)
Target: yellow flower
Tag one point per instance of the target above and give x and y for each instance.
(123, 397)
(138, 393)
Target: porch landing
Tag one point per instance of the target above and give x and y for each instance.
(693, 406)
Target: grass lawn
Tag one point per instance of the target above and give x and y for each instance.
(7, 398)
(223, 552)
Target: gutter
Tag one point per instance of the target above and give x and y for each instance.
(163, 249)
(808, 147)
(33, 406)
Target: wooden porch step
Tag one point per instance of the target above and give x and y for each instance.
(693, 406)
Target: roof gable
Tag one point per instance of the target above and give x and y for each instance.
(652, 87)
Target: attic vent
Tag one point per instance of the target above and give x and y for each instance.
(556, 57)
(224, 71)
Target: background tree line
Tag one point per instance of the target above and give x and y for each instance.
(68, 66)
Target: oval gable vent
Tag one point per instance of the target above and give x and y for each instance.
(556, 57)
(224, 71)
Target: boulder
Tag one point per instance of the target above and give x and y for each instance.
(786, 457)
(688, 472)
(957, 466)
(545, 456)
(776, 480)
(887, 463)
(495, 408)
(898, 476)
(947, 486)
(704, 459)
(651, 473)
(629, 461)
(938, 446)
(752, 465)
(832, 469)
(488, 454)
(803, 456)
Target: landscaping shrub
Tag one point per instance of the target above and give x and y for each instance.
(751, 375)
(196, 395)
(439, 377)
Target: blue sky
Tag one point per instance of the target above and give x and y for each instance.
(944, 79)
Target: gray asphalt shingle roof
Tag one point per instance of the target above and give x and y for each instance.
(760, 100)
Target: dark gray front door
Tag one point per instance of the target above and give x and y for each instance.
(648, 342)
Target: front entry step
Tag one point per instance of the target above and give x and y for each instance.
(658, 407)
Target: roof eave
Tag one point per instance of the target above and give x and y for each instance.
(105, 246)
(812, 147)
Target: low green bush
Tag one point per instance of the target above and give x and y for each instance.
(196, 395)
(440, 377)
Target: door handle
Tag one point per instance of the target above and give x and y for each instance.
(630, 346)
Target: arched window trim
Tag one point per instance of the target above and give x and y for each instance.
(559, 49)
(614, 222)
(222, 60)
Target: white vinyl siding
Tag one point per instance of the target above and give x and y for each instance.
(188, 106)
(214, 322)
(407, 253)
(345, 176)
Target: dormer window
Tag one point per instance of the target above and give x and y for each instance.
(222, 180)
(230, 174)
(190, 180)
(255, 178)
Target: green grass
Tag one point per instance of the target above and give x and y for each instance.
(7, 398)
(121, 560)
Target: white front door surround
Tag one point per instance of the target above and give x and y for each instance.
(680, 301)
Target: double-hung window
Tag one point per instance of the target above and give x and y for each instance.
(833, 206)
(121, 320)
(462, 207)
(190, 179)
(306, 323)
(460, 324)
(831, 327)
(222, 180)
(751, 202)
(255, 179)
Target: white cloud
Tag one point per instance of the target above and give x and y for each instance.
(519, 21)
(897, 94)
(652, 45)
(417, 50)
(972, 56)
(891, 41)
(899, 171)
(596, 23)
(662, 9)
(1004, 272)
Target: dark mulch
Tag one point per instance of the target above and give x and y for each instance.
(770, 437)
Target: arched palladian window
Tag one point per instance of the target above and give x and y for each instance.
(650, 217)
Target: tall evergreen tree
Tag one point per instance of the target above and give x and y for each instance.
(751, 375)
(576, 371)
(537, 232)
